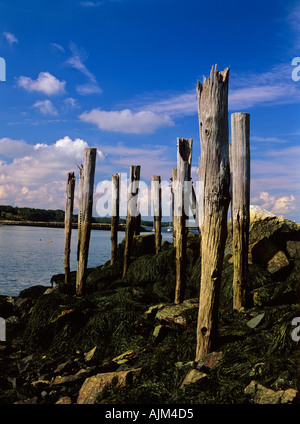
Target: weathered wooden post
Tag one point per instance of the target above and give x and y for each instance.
(132, 213)
(68, 223)
(212, 98)
(115, 212)
(157, 209)
(184, 157)
(240, 161)
(174, 179)
(87, 174)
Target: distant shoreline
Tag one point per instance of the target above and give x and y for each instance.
(95, 225)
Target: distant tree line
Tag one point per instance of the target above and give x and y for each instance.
(11, 213)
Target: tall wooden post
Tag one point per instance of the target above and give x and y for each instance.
(115, 212)
(174, 179)
(184, 157)
(87, 174)
(240, 161)
(157, 209)
(212, 98)
(132, 213)
(68, 223)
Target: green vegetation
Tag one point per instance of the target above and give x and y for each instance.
(11, 213)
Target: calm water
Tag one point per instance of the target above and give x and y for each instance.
(31, 255)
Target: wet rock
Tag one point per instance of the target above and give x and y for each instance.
(94, 387)
(33, 292)
(293, 248)
(160, 332)
(262, 395)
(6, 307)
(194, 376)
(64, 400)
(208, 362)
(178, 314)
(88, 356)
(254, 322)
(278, 262)
(70, 379)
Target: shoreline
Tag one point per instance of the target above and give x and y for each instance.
(95, 225)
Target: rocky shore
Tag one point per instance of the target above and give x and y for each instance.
(126, 342)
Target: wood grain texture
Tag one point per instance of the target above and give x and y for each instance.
(70, 187)
(240, 164)
(212, 98)
(87, 175)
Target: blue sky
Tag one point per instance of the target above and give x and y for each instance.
(121, 75)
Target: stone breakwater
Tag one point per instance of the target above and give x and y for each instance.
(126, 341)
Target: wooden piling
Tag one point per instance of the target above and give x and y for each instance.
(212, 98)
(87, 174)
(132, 213)
(115, 212)
(157, 209)
(68, 223)
(184, 157)
(174, 179)
(240, 161)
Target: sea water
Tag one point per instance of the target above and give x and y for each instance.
(31, 255)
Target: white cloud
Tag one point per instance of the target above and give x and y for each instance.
(126, 121)
(45, 107)
(279, 205)
(58, 47)
(76, 62)
(14, 148)
(10, 38)
(267, 88)
(71, 103)
(45, 83)
(90, 3)
(38, 177)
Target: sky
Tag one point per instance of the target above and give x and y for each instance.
(121, 75)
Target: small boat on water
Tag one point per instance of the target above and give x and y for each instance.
(169, 229)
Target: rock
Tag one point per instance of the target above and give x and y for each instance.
(153, 309)
(194, 376)
(160, 332)
(262, 395)
(178, 314)
(189, 364)
(278, 262)
(258, 213)
(293, 248)
(90, 354)
(254, 322)
(94, 387)
(6, 307)
(143, 245)
(64, 400)
(70, 379)
(33, 292)
(128, 356)
(208, 362)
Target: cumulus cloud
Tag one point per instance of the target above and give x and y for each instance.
(10, 38)
(10, 148)
(279, 205)
(45, 83)
(45, 107)
(37, 178)
(126, 121)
